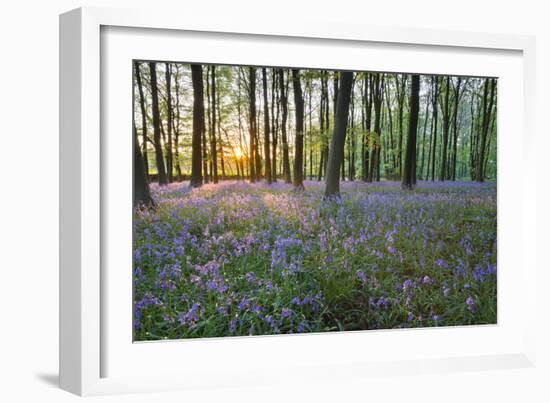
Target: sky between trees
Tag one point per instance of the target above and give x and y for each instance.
(207, 123)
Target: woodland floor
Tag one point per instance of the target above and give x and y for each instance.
(252, 259)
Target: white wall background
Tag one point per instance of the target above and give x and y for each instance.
(29, 195)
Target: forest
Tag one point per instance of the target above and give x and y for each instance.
(280, 200)
(276, 124)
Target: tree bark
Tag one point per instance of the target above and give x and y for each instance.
(143, 119)
(488, 99)
(446, 125)
(455, 128)
(434, 134)
(266, 130)
(336, 150)
(284, 138)
(162, 179)
(252, 122)
(169, 124)
(275, 123)
(213, 141)
(409, 170)
(198, 124)
(142, 194)
(299, 136)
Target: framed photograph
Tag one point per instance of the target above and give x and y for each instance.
(242, 203)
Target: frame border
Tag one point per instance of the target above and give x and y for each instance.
(79, 193)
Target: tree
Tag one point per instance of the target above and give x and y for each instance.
(143, 119)
(299, 138)
(142, 195)
(457, 96)
(284, 138)
(213, 145)
(176, 124)
(400, 86)
(488, 99)
(252, 122)
(336, 150)
(162, 179)
(434, 119)
(377, 98)
(423, 143)
(446, 125)
(367, 108)
(274, 123)
(169, 124)
(266, 129)
(198, 124)
(409, 170)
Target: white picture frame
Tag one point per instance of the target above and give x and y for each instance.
(91, 342)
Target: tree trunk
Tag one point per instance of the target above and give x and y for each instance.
(156, 126)
(266, 129)
(336, 151)
(423, 144)
(143, 120)
(142, 195)
(488, 100)
(455, 128)
(219, 141)
(213, 141)
(446, 125)
(409, 170)
(378, 83)
(177, 125)
(299, 138)
(252, 122)
(434, 134)
(198, 124)
(284, 107)
(275, 123)
(169, 124)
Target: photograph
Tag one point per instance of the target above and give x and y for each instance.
(274, 200)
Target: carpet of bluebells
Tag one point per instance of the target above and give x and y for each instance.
(238, 259)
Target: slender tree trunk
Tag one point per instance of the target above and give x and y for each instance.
(284, 107)
(275, 123)
(198, 124)
(252, 122)
(446, 125)
(156, 126)
(213, 140)
(455, 127)
(207, 162)
(351, 170)
(488, 99)
(409, 172)
(434, 134)
(299, 138)
(177, 125)
(143, 119)
(336, 153)
(266, 130)
(391, 144)
(169, 124)
(142, 195)
(378, 83)
(219, 141)
(310, 131)
(423, 144)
